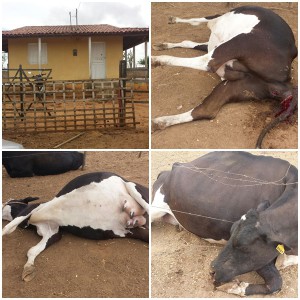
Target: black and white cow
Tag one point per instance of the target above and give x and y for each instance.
(250, 201)
(30, 163)
(98, 206)
(251, 48)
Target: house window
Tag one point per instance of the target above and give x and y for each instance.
(33, 54)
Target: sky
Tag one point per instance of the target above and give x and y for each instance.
(32, 12)
(130, 13)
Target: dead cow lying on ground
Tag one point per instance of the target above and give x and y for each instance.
(251, 48)
(30, 163)
(250, 201)
(95, 206)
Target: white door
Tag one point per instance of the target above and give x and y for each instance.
(98, 60)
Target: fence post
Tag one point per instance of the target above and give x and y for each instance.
(21, 90)
(122, 93)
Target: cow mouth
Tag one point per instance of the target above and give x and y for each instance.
(215, 282)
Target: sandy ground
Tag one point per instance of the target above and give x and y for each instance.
(76, 267)
(177, 89)
(181, 260)
(137, 138)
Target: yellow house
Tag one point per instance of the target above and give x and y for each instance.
(74, 52)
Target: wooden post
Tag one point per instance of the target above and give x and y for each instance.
(21, 91)
(122, 94)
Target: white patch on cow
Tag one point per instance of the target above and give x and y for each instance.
(166, 121)
(243, 217)
(238, 288)
(223, 29)
(220, 242)
(6, 213)
(160, 208)
(228, 26)
(97, 205)
(221, 70)
(284, 261)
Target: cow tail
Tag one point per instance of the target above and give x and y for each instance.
(278, 119)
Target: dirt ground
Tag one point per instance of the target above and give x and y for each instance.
(180, 260)
(137, 138)
(177, 89)
(76, 267)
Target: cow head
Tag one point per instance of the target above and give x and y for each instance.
(249, 248)
(12, 208)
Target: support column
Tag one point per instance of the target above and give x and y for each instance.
(40, 54)
(146, 54)
(90, 56)
(133, 65)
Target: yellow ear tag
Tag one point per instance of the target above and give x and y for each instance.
(280, 248)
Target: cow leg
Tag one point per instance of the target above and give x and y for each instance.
(50, 233)
(273, 281)
(225, 92)
(132, 191)
(269, 273)
(184, 44)
(11, 226)
(192, 21)
(198, 63)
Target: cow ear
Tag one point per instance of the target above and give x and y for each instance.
(263, 206)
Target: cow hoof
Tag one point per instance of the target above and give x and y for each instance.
(155, 61)
(172, 20)
(160, 46)
(157, 125)
(28, 273)
(236, 288)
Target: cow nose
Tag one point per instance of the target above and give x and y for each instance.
(212, 274)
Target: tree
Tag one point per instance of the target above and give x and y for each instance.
(129, 58)
(142, 61)
(4, 60)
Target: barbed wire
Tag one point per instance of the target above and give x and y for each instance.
(252, 180)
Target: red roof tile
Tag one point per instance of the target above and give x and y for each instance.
(102, 29)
